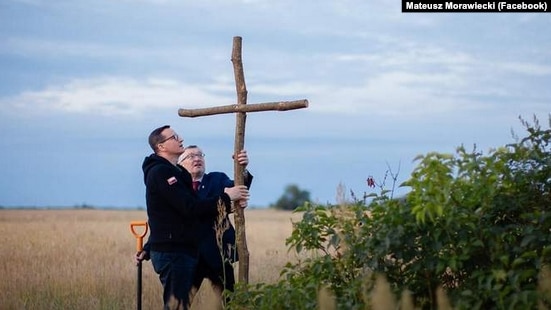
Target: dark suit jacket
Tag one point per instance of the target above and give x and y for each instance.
(212, 185)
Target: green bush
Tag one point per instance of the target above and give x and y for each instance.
(478, 226)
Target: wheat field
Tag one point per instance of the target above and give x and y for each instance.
(83, 258)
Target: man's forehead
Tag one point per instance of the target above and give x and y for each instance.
(168, 131)
(193, 150)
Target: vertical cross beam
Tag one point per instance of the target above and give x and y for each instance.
(241, 109)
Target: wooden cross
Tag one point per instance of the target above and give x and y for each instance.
(241, 108)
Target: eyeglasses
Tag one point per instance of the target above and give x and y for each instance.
(174, 136)
(192, 156)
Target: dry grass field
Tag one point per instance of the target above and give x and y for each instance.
(83, 259)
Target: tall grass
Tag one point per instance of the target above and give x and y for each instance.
(83, 259)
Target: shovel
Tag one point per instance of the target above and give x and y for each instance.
(139, 247)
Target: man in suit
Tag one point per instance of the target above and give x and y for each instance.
(216, 254)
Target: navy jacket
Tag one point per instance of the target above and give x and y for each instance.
(212, 185)
(175, 213)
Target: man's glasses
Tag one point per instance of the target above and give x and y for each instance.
(192, 156)
(174, 136)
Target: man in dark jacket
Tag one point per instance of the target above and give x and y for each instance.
(176, 214)
(217, 250)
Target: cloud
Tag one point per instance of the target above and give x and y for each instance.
(51, 49)
(112, 96)
(342, 72)
(526, 68)
(387, 94)
(403, 83)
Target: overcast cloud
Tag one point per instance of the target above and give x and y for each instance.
(84, 82)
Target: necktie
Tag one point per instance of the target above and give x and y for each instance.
(195, 185)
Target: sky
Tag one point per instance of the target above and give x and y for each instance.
(83, 83)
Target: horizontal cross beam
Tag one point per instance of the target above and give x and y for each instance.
(256, 107)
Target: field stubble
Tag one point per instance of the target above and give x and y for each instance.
(69, 259)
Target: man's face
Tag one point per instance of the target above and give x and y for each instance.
(193, 159)
(172, 143)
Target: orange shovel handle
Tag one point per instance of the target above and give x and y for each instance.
(139, 236)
